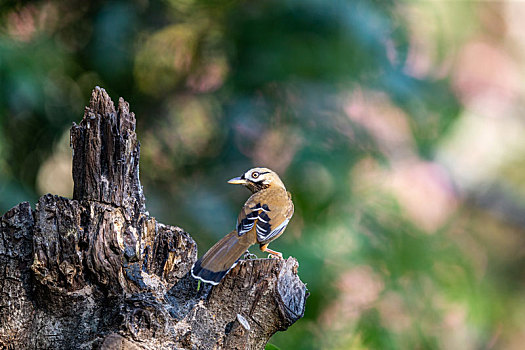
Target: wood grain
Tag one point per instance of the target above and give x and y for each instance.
(98, 272)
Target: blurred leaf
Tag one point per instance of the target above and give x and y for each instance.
(360, 106)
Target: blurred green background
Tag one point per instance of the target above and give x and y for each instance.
(398, 126)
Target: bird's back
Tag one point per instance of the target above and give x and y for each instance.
(269, 210)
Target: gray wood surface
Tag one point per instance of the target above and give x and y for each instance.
(97, 272)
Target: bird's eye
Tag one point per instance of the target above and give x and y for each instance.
(255, 174)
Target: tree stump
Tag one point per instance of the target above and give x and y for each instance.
(97, 272)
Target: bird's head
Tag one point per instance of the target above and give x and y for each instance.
(257, 179)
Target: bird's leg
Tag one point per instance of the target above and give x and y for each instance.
(249, 255)
(273, 253)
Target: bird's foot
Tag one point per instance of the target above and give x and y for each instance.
(249, 256)
(275, 255)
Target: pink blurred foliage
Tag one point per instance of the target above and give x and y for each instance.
(359, 288)
(484, 70)
(21, 24)
(423, 189)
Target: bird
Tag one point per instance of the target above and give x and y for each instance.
(262, 219)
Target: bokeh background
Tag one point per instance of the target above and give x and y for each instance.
(398, 126)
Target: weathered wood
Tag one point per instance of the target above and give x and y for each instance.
(106, 154)
(16, 307)
(97, 272)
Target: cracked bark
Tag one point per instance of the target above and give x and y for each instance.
(97, 272)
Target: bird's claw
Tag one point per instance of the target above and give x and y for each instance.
(274, 256)
(249, 256)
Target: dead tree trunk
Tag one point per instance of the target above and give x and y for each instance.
(97, 272)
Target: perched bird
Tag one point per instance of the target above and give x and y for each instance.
(262, 219)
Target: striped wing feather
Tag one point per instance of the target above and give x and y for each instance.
(268, 211)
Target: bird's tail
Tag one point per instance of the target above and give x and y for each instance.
(217, 261)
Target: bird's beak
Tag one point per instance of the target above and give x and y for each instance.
(238, 181)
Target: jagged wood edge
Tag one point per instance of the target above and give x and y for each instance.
(260, 286)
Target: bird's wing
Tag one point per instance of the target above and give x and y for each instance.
(268, 211)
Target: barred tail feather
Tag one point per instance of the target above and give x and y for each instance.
(205, 275)
(220, 259)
